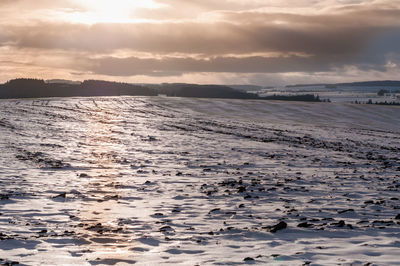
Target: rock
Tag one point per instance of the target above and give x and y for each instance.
(348, 210)
(214, 210)
(166, 228)
(4, 197)
(280, 226)
(248, 259)
(62, 195)
(350, 226)
(109, 197)
(11, 263)
(75, 192)
(3, 236)
(341, 223)
(241, 189)
(397, 217)
(150, 138)
(304, 225)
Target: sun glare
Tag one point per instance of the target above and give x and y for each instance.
(110, 11)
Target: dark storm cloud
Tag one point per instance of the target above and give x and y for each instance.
(255, 64)
(317, 38)
(147, 37)
(349, 17)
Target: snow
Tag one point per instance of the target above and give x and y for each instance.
(339, 94)
(149, 181)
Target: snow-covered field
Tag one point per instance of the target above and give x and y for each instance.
(340, 94)
(124, 180)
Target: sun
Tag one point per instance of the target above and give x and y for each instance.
(109, 11)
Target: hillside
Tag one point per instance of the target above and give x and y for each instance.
(36, 88)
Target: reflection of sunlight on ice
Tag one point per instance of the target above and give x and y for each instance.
(100, 214)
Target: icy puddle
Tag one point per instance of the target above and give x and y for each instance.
(150, 181)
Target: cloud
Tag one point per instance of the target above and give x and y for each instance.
(256, 64)
(228, 36)
(315, 35)
(30, 6)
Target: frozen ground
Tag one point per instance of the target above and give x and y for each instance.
(340, 94)
(124, 180)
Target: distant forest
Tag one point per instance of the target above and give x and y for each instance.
(36, 88)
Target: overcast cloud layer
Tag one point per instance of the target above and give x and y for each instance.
(265, 42)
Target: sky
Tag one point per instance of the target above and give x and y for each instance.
(261, 42)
